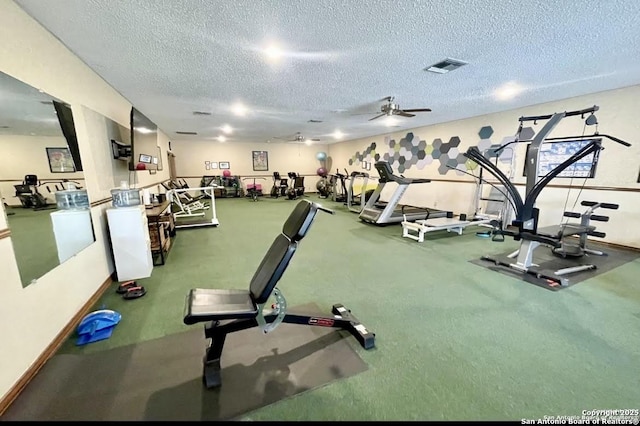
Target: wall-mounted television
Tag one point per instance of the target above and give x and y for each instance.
(65, 118)
(144, 141)
(120, 150)
(553, 153)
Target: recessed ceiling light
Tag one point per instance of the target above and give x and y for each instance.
(226, 129)
(273, 52)
(222, 138)
(239, 109)
(338, 134)
(308, 141)
(508, 91)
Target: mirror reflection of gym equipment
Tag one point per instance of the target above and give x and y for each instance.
(46, 225)
(381, 213)
(525, 226)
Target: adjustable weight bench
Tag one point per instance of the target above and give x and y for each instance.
(226, 311)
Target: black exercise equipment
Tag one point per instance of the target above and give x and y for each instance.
(280, 186)
(324, 187)
(525, 226)
(252, 190)
(356, 202)
(382, 213)
(573, 235)
(227, 311)
(30, 196)
(338, 186)
(296, 187)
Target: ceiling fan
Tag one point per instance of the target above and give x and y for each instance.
(389, 109)
(297, 137)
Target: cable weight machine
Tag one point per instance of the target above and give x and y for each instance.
(526, 214)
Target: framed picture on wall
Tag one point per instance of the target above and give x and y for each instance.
(214, 165)
(260, 161)
(364, 165)
(224, 165)
(207, 165)
(60, 160)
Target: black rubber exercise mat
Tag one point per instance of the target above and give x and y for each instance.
(546, 260)
(161, 379)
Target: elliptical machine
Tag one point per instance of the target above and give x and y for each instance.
(296, 187)
(339, 188)
(279, 187)
(362, 197)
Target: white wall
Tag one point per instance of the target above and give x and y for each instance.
(31, 317)
(617, 168)
(21, 155)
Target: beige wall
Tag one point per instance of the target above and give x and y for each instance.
(31, 317)
(618, 166)
(283, 158)
(21, 155)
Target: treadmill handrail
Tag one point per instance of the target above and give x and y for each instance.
(386, 175)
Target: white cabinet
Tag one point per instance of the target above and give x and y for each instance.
(73, 232)
(130, 242)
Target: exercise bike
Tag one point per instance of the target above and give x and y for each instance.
(253, 191)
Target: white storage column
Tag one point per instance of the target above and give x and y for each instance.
(73, 232)
(130, 242)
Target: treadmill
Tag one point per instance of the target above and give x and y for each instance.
(381, 213)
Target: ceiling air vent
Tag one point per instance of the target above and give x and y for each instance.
(314, 121)
(187, 133)
(445, 66)
(201, 113)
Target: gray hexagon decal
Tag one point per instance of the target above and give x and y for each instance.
(485, 132)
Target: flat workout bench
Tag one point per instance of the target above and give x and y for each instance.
(227, 311)
(422, 226)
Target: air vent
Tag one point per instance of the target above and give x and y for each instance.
(314, 121)
(4, 127)
(187, 133)
(445, 66)
(47, 102)
(201, 113)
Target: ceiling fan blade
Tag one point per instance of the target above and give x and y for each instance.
(404, 113)
(377, 116)
(417, 110)
(386, 99)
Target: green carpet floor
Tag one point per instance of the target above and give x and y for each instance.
(33, 242)
(455, 341)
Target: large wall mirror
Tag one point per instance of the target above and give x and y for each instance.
(39, 157)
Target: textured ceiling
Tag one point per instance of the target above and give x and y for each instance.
(173, 57)
(25, 110)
